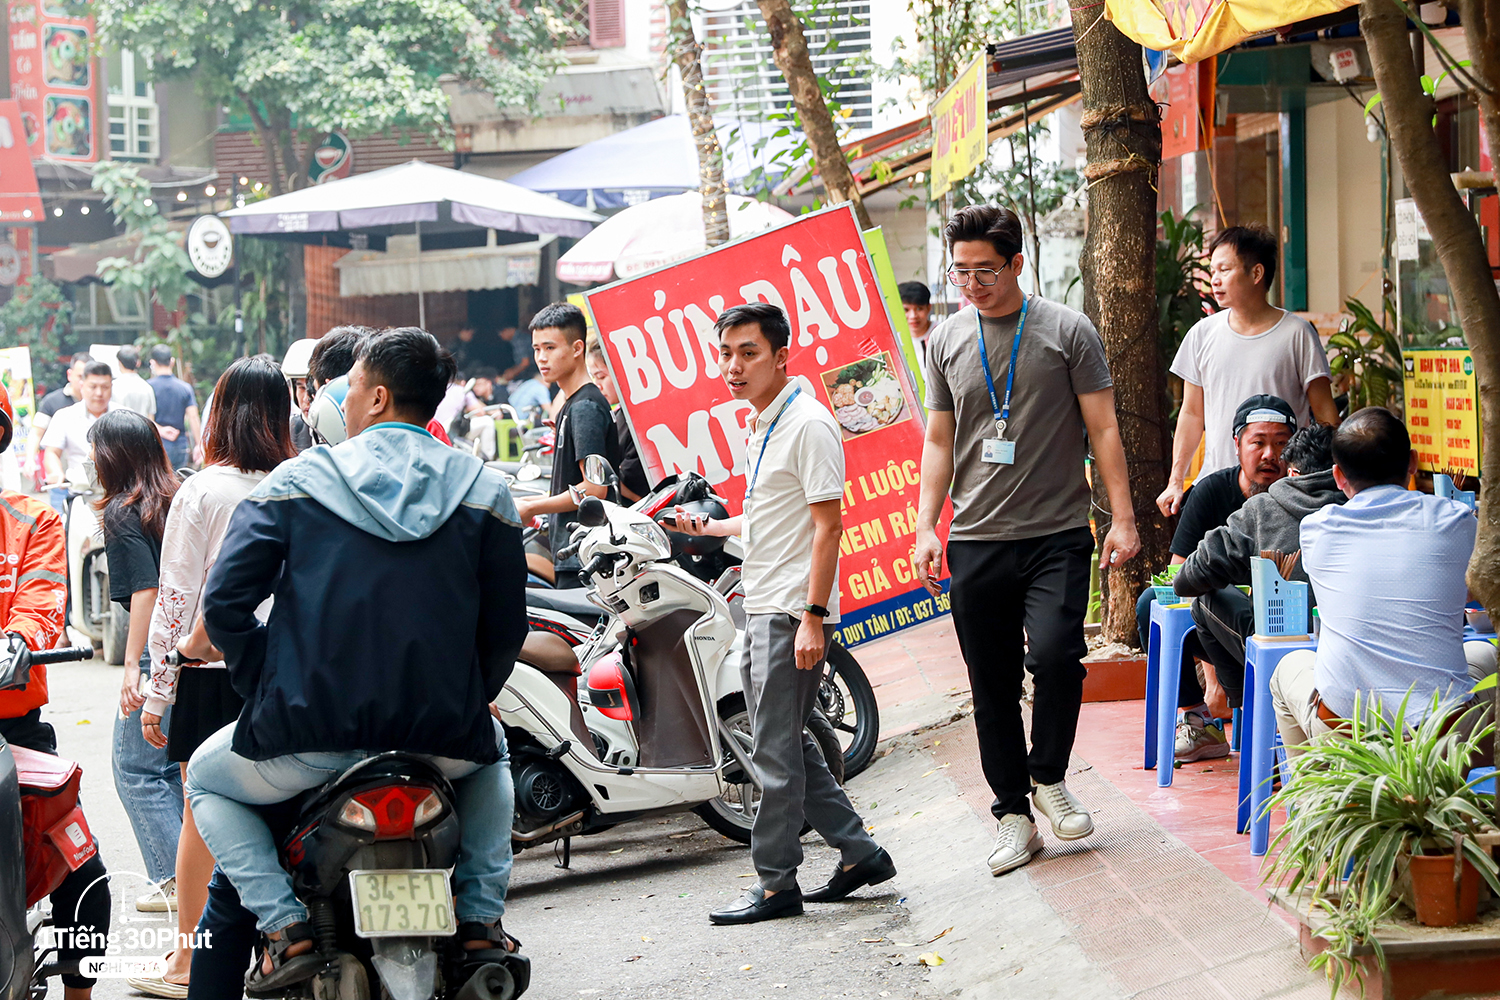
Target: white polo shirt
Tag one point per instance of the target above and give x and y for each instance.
(69, 432)
(800, 456)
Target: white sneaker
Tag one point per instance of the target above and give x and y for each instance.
(1016, 844)
(1069, 819)
(160, 900)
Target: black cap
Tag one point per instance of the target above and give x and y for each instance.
(1264, 409)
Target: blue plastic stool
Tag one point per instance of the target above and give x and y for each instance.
(1262, 654)
(1169, 627)
(1234, 731)
(1486, 787)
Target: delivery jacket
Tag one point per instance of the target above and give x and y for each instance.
(33, 589)
(399, 577)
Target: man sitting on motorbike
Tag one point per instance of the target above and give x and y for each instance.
(398, 573)
(33, 594)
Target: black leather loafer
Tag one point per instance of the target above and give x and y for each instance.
(875, 869)
(755, 906)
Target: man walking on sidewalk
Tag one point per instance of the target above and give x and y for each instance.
(790, 527)
(1019, 547)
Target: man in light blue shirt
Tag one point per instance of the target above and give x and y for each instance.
(1388, 571)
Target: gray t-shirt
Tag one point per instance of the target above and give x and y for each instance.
(1061, 358)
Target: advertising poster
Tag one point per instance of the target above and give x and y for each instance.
(52, 76)
(15, 375)
(960, 128)
(1442, 410)
(657, 331)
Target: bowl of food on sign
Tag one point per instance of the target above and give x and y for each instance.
(866, 395)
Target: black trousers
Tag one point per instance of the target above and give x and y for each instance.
(86, 890)
(1224, 618)
(1018, 604)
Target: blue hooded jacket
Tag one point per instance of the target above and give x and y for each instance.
(399, 577)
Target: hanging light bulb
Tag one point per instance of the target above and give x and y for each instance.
(182, 196)
(244, 181)
(148, 203)
(210, 190)
(84, 210)
(57, 212)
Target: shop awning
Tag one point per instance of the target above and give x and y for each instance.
(400, 271)
(1193, 32)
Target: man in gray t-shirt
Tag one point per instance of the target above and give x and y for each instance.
(1019, 548)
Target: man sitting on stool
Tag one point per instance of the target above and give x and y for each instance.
(1262, 425)
(1388, 569)
(1214, 572)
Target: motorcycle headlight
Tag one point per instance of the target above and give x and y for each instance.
(654, 534)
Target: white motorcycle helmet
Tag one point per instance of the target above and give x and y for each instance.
(326, 415)
(298, 358)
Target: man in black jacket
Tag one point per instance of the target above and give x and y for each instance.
(398, 572)
(1268, 522)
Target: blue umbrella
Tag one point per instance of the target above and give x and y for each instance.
(654, 160)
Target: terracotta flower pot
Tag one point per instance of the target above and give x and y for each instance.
(1438, 902)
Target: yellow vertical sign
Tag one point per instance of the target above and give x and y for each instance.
(960, 130)
(1442, 410)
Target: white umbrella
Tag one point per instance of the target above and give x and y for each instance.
(452, 205)
(656, 233)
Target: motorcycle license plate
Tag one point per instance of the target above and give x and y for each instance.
(402, 903)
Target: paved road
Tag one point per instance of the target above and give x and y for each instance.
(627, 920)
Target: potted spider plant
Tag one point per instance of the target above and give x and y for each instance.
(1381, 813)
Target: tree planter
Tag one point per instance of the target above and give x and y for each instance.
(1438, 900)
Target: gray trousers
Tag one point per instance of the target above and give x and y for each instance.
(797, 783)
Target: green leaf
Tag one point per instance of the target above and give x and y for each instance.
(1488, 684)
(1370, 104)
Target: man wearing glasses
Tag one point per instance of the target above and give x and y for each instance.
(1017, 389)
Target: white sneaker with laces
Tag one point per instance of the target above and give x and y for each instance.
(1069, 819)
(1015, 845)
(161, 900)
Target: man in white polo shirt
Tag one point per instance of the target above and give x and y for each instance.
(66, 443)
(791, 527)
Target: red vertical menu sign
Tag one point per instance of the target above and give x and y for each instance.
(52, 77)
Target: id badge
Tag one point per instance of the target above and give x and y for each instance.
(745, 524)
(999, 452)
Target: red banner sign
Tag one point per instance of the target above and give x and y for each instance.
(657, 330)
(52, 75)
(20, 198)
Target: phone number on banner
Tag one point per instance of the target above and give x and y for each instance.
(901, 611)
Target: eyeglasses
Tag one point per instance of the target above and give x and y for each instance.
(986, 276)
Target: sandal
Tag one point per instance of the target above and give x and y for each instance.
(285, 970)
(506, 944)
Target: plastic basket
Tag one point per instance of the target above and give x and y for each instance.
(1442, 486)
(1166, 596)
(1280, 605)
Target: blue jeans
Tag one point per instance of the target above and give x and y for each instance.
(227, 931)
(178, 451)
(150, 786)
(222, 786)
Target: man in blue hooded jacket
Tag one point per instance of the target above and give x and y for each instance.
(398, 571)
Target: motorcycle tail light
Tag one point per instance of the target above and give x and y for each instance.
(391, 812)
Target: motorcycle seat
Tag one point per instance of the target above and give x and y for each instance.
(567, 602)
(555, 658)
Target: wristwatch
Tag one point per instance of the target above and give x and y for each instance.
(816, 609)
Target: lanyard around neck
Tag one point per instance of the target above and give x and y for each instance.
(1002, 410)
(765, 441)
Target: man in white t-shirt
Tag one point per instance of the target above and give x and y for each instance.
(131, 391)
(66, 443)
(1248, 348)
(790, 527)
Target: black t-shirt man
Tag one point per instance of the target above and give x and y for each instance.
(584, 428)
(55, 400)
(632, 470)
(1207, 506)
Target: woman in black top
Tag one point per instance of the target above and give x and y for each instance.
(138, 485)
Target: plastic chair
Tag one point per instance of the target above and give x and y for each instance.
(1169, 627)
(1262, 654)
(1486, 787)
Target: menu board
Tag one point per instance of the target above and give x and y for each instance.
(52, 75)
(1442, 410)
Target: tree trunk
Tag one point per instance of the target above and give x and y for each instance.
(789, 50)
(1481, 20)
(688, 56)
(1122, 129)
(1455, 238)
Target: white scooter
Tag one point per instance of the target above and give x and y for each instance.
(658, 724)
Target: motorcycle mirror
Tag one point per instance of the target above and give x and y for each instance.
(591, 512)
(529, 473)
(597, 470)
